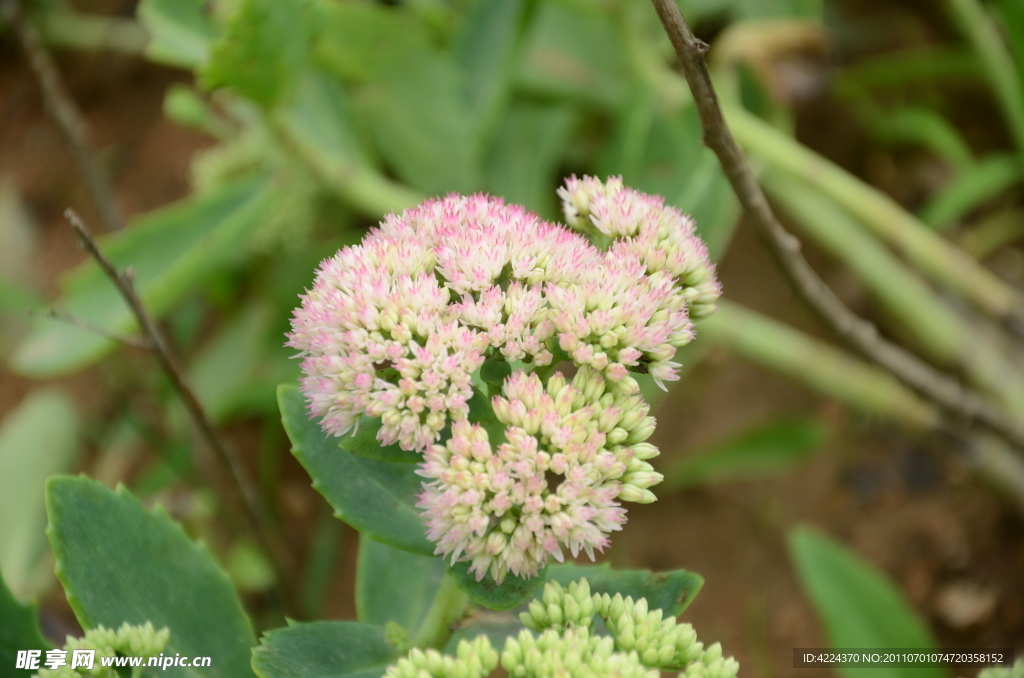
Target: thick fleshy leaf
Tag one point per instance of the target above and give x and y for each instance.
(431, 147)
(512, 592)
(324, 650)
(180, 29)
(395, 586)
(317, 124)
(763, 450)
(670, 591)
(263, 47)
(573, 51)
(413, 101)
(377, 498)
(858, 605)
(523, 161)
(486, 48)
(19, 630)
(364, 443)
(170, 250)
(37, 439)
(121, 563)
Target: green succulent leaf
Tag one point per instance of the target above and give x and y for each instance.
(46, 422)
(860, 607)
(120, 562)
(375, 497)
(324, 650)
(364, 443)
(379, 600)
(512, 592)
(19, 630)
(670, 591)
(263, 47)
(181, 31)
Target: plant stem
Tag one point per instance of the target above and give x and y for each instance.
(935, 256)
(62, 111)
(448, 607)
(250, 500)
(833, 372)
(860, 334)
(944, 336)
(65, 28)
(997, 62)
(359, 185)
(816, 364)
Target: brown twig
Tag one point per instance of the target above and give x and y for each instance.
(124, 281)
(946, 392)
(54, 314)
(62, 110)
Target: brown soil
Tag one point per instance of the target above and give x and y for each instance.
(915, 513)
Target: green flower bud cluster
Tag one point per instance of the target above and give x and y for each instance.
(559, 641)
(560, 608)
(712, 665)
(473, 659)
(659, 642)
(1015, 671)
(572, 653)
(128, 641)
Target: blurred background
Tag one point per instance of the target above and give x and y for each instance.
(243, 141)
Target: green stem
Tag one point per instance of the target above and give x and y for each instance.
(448, 607)
(835, 373)
(943, 335)
(816, 364)
(91, 32)
(997, 62)
(935, 256)
(359, 185)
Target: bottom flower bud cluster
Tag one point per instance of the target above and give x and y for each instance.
(572, 452)
(560, 641)
(127, 641)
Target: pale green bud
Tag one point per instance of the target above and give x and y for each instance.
(643, 431)
(637, 495)
(617, 436)
(645, 451)
(643, 479)
(572, 610)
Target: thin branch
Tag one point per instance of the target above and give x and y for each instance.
(941, 389)
(71, 319)
(62, 110)
(124, 281)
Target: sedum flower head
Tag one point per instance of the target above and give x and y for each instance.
(554, 482)
(643, 228)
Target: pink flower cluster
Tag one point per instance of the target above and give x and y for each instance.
(643, 228)
(553, 483)
(395, 328)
